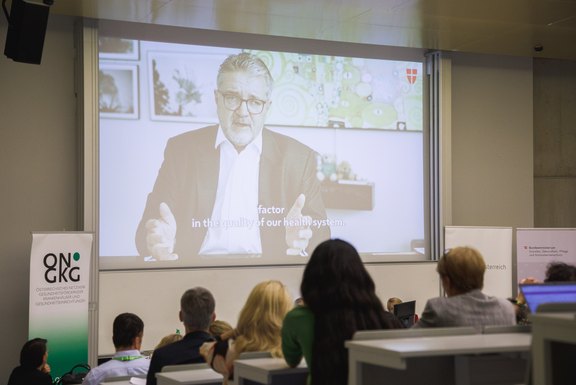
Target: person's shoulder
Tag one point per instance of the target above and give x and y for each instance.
(25, 375)
(285, 143)
(299, 312)
(197, 136)
(166, 350)
(437, 301)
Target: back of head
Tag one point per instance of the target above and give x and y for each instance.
(126, 327)
(560, 272)
(464, 267)
(197, 307)
(32, 353)
(335, 277)
(392, 301)
(260, 320)
(339, 291)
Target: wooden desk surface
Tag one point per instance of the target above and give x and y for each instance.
(394, 352)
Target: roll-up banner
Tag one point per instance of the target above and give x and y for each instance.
(537, 247)
(495, 245)
(59, 296)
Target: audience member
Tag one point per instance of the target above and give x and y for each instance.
(258, 329)
(168, 339)
(219, 327)
(127, 333)
(520, 307)
(34, 368)
(555, 272)
(340, 299)
(560, 272)
(461, 271)
(392, 301)
(196, 313)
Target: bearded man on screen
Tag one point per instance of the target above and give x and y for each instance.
(236, 187)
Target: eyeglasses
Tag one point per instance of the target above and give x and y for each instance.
(232, 102)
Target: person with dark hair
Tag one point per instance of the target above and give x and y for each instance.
(339, 299)
(196, 313)
(560, 272)
(127, 334)
(461, 271)
(219, 186)
(34, 368)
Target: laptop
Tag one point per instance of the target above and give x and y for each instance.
(550, 292)
(406, 312)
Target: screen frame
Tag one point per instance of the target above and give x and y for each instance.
(435, 201)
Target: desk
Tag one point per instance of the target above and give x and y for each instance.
(270, 371)
(189, 377)
(441, 360)
(553, 348)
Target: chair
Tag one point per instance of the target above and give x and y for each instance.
(408, 333)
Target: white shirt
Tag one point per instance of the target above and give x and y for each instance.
(134, 365)
(234, 223)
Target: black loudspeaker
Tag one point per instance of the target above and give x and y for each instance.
(26, 31)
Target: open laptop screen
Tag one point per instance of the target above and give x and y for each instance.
(405, 312)
(551, 292)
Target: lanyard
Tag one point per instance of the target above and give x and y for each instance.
(126, 358)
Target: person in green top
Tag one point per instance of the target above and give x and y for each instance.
(339, 298)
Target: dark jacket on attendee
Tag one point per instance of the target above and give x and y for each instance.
(28, 375)
(185, 351)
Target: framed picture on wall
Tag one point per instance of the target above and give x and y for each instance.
(118, 91)
(117, 48)
(181, 86)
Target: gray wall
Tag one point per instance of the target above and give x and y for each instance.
(38, 170)
(492, 160)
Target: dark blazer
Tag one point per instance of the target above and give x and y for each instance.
(185, 351)
(25, 375)
(188, 180)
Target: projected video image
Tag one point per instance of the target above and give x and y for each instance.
(242, 156)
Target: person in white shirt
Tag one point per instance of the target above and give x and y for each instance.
(128, 330)
(236, 188)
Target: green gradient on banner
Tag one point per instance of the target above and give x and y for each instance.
(67, 343)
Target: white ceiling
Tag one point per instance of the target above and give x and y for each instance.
(512, 27)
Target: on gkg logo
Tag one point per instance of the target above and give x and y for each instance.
(58, 268)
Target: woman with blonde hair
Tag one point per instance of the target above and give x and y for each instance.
(258, 329)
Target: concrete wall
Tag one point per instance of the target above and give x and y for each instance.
(555, 143)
